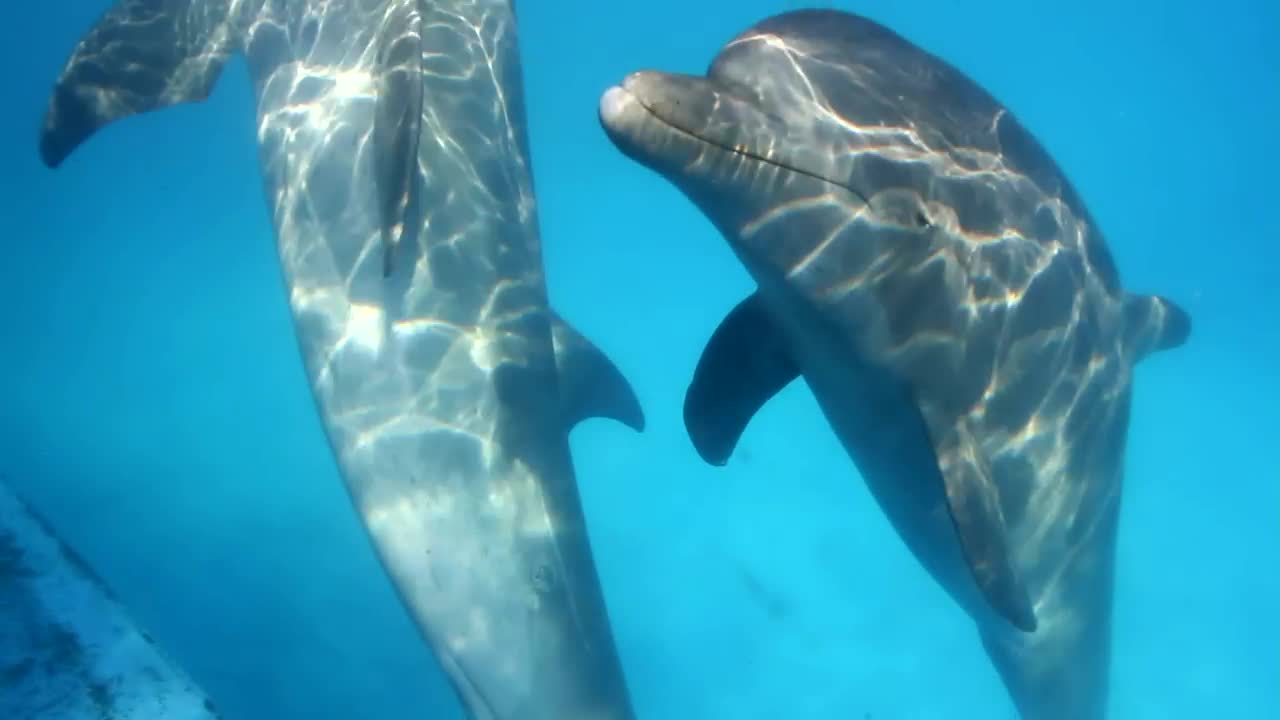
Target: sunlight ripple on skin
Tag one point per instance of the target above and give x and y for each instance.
(924, 265)
(396, 167)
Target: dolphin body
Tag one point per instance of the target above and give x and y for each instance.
(396, 164)
(930, 272)
(68, 649)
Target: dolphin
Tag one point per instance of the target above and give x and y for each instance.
(70, 649)
(926, 267)
(395, 158)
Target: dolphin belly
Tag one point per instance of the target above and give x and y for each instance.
(396, 167)
(880, 428)
(1060, 671)
(438, 380)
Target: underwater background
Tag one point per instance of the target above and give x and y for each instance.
(153, 405)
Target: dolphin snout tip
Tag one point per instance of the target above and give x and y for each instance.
(627, 95)
(614, 104)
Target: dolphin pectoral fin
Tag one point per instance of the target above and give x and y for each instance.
(140, 56)
(1153, 323)
(397, 125)
(590, 384)
(745, 363)
(974, 504)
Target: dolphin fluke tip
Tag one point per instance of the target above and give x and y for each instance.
(67, 123)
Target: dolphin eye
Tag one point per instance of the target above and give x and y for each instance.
(901, 207)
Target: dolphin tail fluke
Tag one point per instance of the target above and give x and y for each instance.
(140, 56)
(1152, 324)
(590, 384)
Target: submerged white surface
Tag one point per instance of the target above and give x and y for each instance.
(68, 650)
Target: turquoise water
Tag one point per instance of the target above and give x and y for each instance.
(154, 405)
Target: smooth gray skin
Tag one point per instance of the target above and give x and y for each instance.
(68, 649)
(396, 164)
(929, 271)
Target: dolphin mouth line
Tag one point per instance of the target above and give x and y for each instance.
(739, 150)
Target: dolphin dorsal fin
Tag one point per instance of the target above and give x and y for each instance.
(590, 384)
(1153, 323)
(745, 363)
(397, 125)
(139, 57)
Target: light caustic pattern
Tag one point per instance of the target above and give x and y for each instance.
(873, 187)
(473, 518)
(393, 150)
(956, 257)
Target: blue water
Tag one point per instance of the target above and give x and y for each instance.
(154, 407)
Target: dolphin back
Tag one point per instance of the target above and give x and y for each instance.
(142, 55)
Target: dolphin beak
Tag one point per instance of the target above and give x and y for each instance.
(684, 102)
(635, 129)
(675, 119)
(622, 110)
(662, 119)
(616, 102)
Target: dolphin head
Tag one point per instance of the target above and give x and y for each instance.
(796, 114)
(817, 122)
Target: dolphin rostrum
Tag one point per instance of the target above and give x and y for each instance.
(930, 272)
(396, 165)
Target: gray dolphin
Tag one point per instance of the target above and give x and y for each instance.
(396, 164)
(69, 649)
(930, 272)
